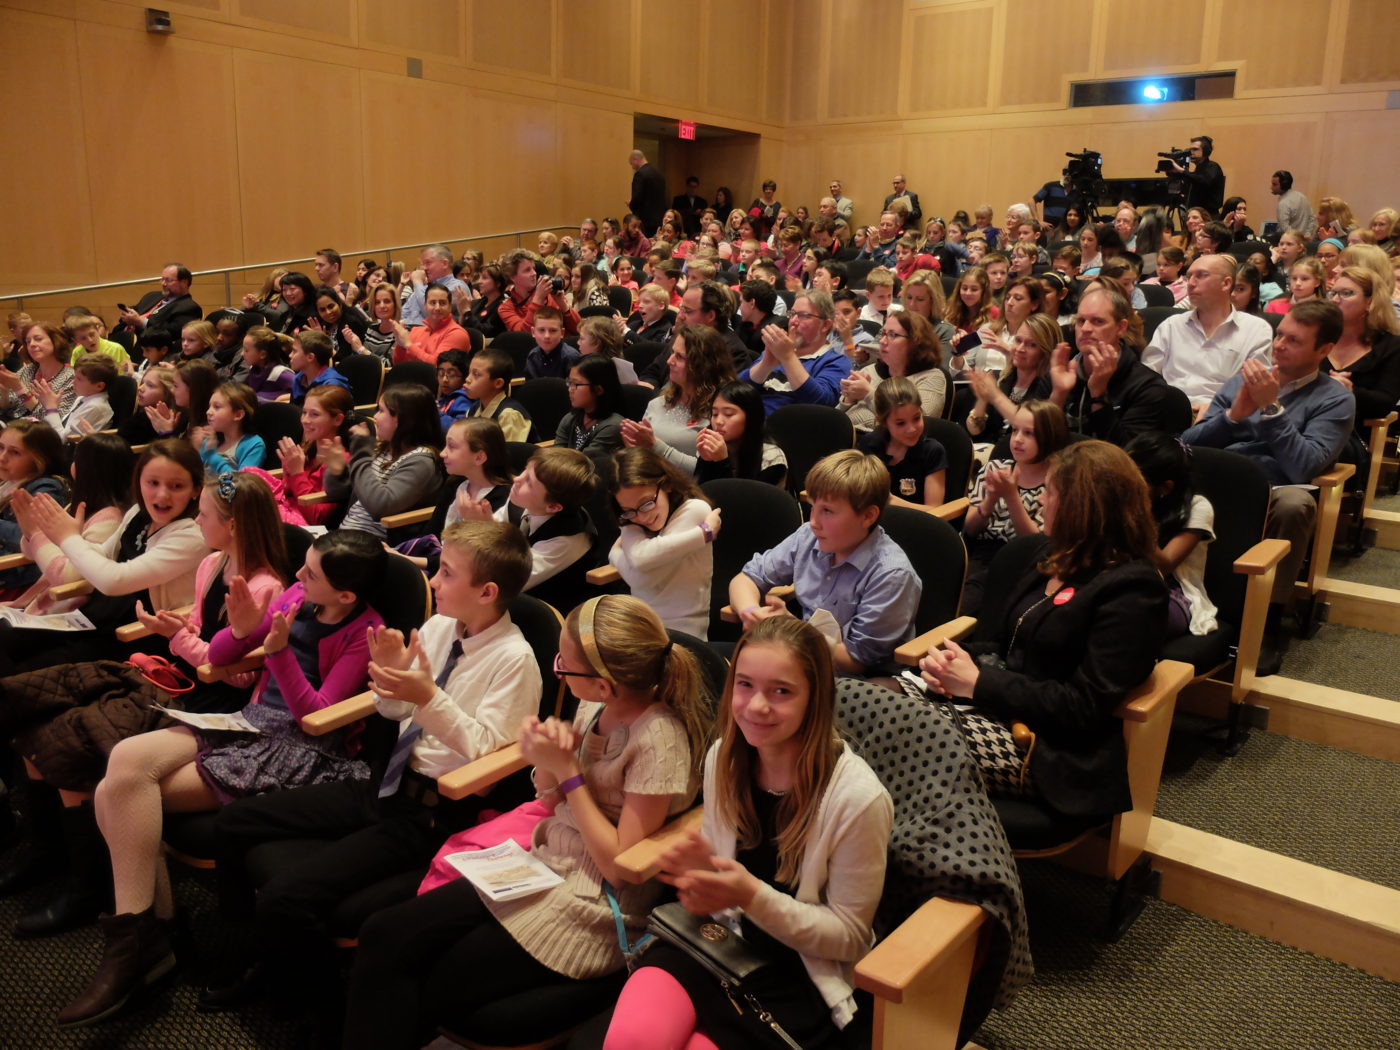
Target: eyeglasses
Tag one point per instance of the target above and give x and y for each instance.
(574, 384)
(802, 315)
(630, 514)
(1343, 293)
(560, 671)
(448, 372)
(890, 333)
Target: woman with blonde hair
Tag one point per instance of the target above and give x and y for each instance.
(1028, 378)
(1366, 359)
(1334, 219)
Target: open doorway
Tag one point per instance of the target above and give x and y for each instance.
(717, 157)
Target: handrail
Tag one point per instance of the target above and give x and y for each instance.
(19, 297)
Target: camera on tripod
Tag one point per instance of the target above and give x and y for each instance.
(1173, 155)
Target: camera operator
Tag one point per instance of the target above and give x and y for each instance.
(1207, 179)
(530, 288)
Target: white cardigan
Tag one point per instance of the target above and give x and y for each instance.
(672, 570)
(165, 568)
(839, 883)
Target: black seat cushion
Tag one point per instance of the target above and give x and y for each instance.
(532, 1016)
(1030, 825)
(1204, 652)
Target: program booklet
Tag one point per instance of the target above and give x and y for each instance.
(505, 872)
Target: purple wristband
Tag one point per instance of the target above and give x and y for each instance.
(575, 781)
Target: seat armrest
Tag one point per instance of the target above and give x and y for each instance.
(310, 498)
(135, 631)
(64, 591)
(952, 510)
(1166, 680)
(642, 860)
(925, 941)
(603, 575)
(408, 517)
(784, 591)
(475, 777)
(13, 561)
(338, 716)
(1337, 475)
(218, 673)
(914, 650)
(1263, 556)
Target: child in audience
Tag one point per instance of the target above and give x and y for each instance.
(547, 502)
(156, 348)
(488, 379)
(229, 330)
(1006, 499)
(311, 360)
(87, 333)
(918, 465)
(93, 375)
(664, 550)
(594, 427)
(969, 308)
(101, 473)
(599, 335)
(840, 562)
(396, 471)
(879, 295)
(452, 401)
(1185, 528)
(1306, 280)
(324, 414)
(792, 853)
(736, 443)
(197, 341)
(476, 453)
(619, 771)
(1171, 260)
(223, 444)
(31, 462)
(550, 356)
(460, 687)
(60, 709)
(265, 353)
(194, 384)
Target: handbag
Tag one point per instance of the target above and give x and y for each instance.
(729, 958)
(161, 673)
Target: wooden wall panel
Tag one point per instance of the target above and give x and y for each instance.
(671, 30)
(936, 85)
(1370, 55)
(866, 163)
(517, 34)
(595, 35)
(45, 246)
(593, 149)
(298, 190)
(415, 27)
(731, 78)
(518, 186)
(1250, 151)
(772, 106)
(330, 18)
(1045, 40)
(1343, 138)
(859, 86)
(804, 59)
(1270, 48)
(162, 186)
(944, 187)
(1143, 37)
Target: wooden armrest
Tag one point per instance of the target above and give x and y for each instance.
(1262, 557)
(914, 650)
(952, 510)
(134, 632)
(1166, 680)
(274, 473)
(642, 860)
(138, 449)
(1335, 476)
(371, 409)
(926, 940)
(475, 777)
(408, 517)
(545, 444)
(1385, 422)
(13, 561)
(783, 591)
(252, 662)
(337, 716)
(517, 381)
(311, 498)
(603, 575)
(64, 591)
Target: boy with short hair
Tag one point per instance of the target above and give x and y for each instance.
(879, 296)
(841, 561)
(311, 361)
(453, 402)
(87, 333)
(155, 347)
(93, 375)
(1067, 261)
(460, 687)
(488, 379)
(547, 502)
(551, 356)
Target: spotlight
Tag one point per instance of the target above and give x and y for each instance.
(1154, 93)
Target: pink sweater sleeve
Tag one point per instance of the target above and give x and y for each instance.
(187, 644)
(344, 662)
(226, 649)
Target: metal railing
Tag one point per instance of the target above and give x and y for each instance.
(17, 299)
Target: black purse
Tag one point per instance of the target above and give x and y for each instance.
(724, 953)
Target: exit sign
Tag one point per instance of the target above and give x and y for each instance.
(688, 130)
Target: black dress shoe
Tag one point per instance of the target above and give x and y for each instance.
(71, 907)
(1271, 651)
(230, 993)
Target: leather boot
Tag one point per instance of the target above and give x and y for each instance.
(137, 953)
(38, 849)
(85, 891)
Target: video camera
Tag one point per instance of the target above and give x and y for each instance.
(1172, 154)
(1084, 166)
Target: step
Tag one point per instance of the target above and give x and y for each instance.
(1290, 901)
(1366, 605)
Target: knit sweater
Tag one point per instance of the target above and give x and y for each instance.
(165, 569)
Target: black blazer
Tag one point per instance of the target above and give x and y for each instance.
(171, 317)
(1072, 665)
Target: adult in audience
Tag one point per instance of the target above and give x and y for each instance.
(799, 366)
(845, 207)
(908, 348)
(170, 308)
(1197, 351)
(690, 205)
(1054, 200)
(1206, 178)
(530, 289)
(439, 333)
(880, 241)
(1335, 219)
(46, 354)
(1383, 225)
(756, 302)
(1293, 422)
(1366, 357)
(902, 192)
(648, 191)
(1125, 221)
(1105, 390)
(434, 267)
(1235, 217)
(1073, 223)
(1027, 378)
(485, 315)
(327, 266)
(1294, 211)
(697, 366)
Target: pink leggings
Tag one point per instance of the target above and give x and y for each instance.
(654, 1013)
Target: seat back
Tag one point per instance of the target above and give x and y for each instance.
(856, 271)
(273, 421)
(938, 555)
(365, 373)
(541, 624)
(547, 402)
(121, 395)
(714, 669)
(635, 399)
(421, 372)
(297, 541)
(477, 337)
(1152, 316)
(404, 598)
(1158, 295)
(957, 444)
(518, 345)
(518, 453)
(1238, 490)
(806, 434)
(755, 517)
(643, 352)
(620, 298)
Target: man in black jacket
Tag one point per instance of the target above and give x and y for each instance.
(1207, 178)
(690, 204)
(648, 201)
(171, 308)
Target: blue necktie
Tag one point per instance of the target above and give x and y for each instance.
(403, 747)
